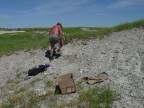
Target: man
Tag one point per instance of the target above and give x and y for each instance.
(56, 36)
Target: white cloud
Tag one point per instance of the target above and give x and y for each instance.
(53, 7)
(57, 6)
(126, 3)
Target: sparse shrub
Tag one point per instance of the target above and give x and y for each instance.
(49, 83)
(7, 104)
(14, 81)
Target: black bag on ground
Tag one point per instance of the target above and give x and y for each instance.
(36, 70)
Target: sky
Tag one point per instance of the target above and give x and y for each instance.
(71, 13)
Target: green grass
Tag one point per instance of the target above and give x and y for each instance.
(9, 43)
(49, 83)
(96, 98)
(99, 32)
(88, 98)
(128, 25)
(23, 97)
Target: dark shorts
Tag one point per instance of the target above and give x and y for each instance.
(54, 39)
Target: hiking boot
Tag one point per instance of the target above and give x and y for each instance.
(56, 54)
(47, 53)
(51, 58)
(59, 51)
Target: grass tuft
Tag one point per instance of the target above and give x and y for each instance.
(96, 98)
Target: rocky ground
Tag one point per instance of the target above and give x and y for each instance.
(121, 55)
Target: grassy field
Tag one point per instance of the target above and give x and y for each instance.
(37, 37)
(10, 43)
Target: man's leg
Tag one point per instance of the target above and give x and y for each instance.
(61, 43)
(51, 45)
(52, 49)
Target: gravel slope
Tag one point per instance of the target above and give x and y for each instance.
(121, 55)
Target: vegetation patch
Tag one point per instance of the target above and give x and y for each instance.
(35, 38)
(20, 41)
(96, 98)
(88, 98)
(49, 83)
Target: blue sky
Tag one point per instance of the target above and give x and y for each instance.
(45, 13)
